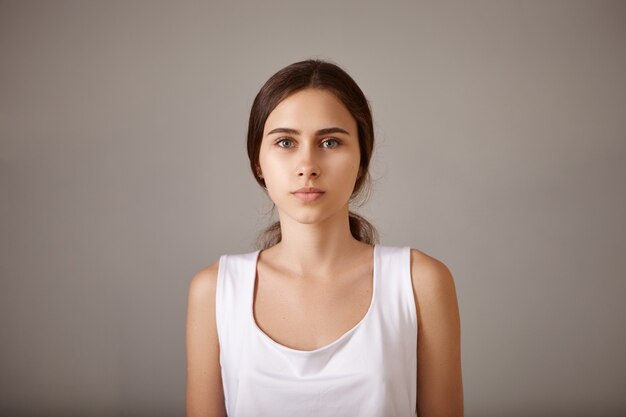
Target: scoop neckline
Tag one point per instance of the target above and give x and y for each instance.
(331, 344)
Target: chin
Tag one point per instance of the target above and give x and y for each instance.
(309, 215)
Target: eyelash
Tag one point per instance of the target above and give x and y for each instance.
(289, 139)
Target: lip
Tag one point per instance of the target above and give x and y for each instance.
(308, 190)
(308, 193)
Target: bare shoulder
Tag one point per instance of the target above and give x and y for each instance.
(428, 271)
(204, 282)
(439, 376)
(204, 395)
(432, 280)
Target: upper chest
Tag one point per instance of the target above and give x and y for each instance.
(306, 315)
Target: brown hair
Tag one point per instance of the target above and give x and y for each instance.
(327, 76)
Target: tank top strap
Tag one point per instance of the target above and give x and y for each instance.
(233, 303)
(395, 288)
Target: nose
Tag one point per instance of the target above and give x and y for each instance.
(307, 165)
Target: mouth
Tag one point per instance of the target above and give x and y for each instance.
(308, 196)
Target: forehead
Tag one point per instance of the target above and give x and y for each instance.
(310, 109)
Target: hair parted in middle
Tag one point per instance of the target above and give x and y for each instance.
(318, 74)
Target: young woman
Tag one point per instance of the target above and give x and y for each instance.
(321, 320)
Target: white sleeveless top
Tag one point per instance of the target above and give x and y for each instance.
(371, 370)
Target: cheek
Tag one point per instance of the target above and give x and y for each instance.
(264, 163)
(273, 170)
(269, 166)
(351, 165)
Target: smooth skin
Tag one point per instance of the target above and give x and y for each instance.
(318, 260)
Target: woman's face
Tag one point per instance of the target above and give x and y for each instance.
(310, 140)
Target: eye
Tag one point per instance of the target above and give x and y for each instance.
(279, 141)
(332, 140)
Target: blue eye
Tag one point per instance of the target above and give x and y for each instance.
(332, 140)
(283, 140)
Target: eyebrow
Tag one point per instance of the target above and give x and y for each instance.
(325, 131)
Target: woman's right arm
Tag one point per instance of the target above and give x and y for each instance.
(205, 394)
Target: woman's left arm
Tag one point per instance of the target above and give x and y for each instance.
(439, 379)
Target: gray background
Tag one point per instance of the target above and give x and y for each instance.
(501, 150)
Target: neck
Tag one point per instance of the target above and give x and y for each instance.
(316, 249)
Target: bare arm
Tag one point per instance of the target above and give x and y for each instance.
(439, 379)
(205, 395)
